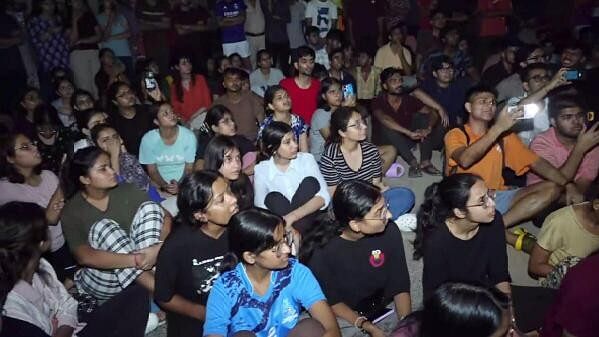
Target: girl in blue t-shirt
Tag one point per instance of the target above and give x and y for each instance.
(262, 294)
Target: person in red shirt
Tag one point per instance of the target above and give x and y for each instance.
(303, 89)
(190, 95)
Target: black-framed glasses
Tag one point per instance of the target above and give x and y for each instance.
(540, 78)
(486, 199)
(27, 146)
(286, 241)
(383, 215)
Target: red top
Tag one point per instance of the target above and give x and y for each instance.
(303, 101)
(492, 25)
(196, 97)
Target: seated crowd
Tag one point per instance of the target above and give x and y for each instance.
(236, 168)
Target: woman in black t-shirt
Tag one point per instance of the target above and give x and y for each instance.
(128, 117)
(460, 235)
(189, 261)
(359, 246)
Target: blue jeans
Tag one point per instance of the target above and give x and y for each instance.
(400, 201)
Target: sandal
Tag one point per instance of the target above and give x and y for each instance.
(431, 170)
(414, 172)
(525, 241)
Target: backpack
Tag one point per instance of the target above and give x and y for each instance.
(454, 169)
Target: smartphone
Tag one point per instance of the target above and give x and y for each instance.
(573, 75)
(348, 90)
(150, 82)
(591, 118)
(530, 110)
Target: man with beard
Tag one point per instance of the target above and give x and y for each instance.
(485, 146)
(406, 120)
(246, 108)
(302, 88)
(568, 144)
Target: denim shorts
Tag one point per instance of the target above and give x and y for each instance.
(504, 198)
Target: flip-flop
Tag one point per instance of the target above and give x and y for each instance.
(431, 170)
(395, 171)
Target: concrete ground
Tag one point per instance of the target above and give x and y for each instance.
(518, 261)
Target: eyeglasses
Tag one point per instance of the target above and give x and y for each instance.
(486, 200)
(27, 146)
(358, 124)
(383, 215)
(286, 241)
(124, 93)
(540, 78)
(486, 101)
(47, 129)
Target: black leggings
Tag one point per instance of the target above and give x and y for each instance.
(403, 144)
(124, 315)
(278, 204)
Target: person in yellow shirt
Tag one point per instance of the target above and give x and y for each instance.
(485, 145)
(567, 236)
(395, 54)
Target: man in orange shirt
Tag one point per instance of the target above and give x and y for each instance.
(484, 148)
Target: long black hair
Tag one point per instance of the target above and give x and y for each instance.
(22, 228)
(352, 200)
(178, 81)
(214, 157)
(269, 96)
(325, 85)
(251, 230)
(78, 166)
(271, 139)
(339, 120)
(462, 310)
(440, 199)
(213, 116)
(195, 193)
(8, 169)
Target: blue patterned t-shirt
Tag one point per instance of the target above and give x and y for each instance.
(233, 306)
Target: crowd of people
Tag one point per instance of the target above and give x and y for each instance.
(235, 167)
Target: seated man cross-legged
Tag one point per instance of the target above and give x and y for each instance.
(484, 148)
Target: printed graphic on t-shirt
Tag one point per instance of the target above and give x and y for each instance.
(204, 274)
(322, 20)
(377, 258)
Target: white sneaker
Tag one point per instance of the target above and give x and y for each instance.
(152, 324)
(406, 222)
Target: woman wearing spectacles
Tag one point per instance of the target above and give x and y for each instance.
(191, 256)
(263, 290)
(460, 235)
(23, 179)
(349, 156)
(358, 245)
(54, 141)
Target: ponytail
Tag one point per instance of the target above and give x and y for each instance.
(319, 237)
(76, 167)
(440, 199)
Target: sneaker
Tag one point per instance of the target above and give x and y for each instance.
(406, 222)
(414, 172)
(152, 324)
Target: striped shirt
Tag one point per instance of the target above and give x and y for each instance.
(335, 169)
